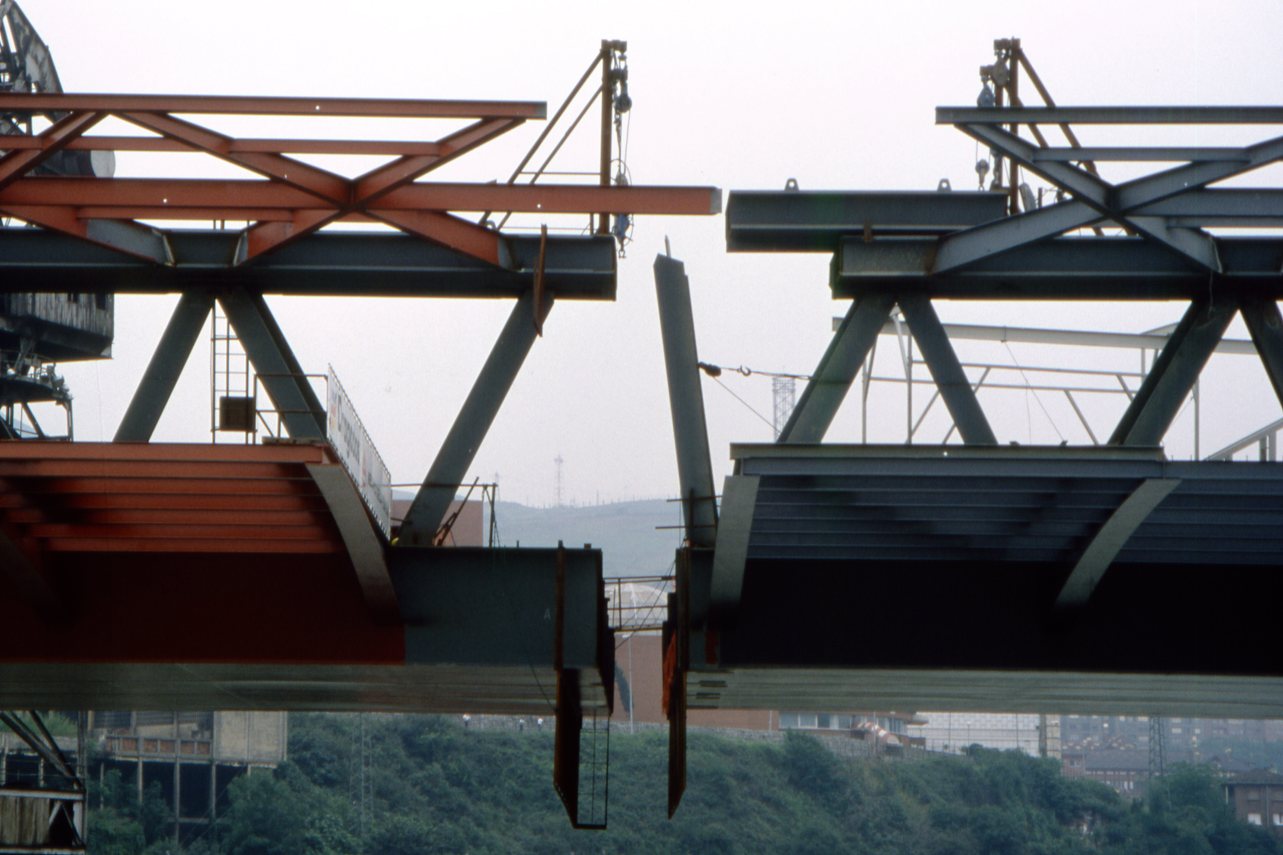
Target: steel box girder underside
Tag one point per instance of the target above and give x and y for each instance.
(895, 578)
(323, 264)
(1156, 639)
(156, 631)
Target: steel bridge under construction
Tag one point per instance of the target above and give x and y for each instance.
(1027, 563)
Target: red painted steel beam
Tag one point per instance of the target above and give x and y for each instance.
(18, 163)
(199, 452)
(392, 148)
(168, 486)
(200, 503)
(233, 196)
(270, 232)
(177, 517)
(229, 195)
(459, 235)
(237, 535)
(293, 173)
(555, 199)
(250, 105)
(263, 238)
(127, 469)
(287, 608)
(219, 545)
(378, 181)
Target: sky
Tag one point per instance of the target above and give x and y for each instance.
(834, 95)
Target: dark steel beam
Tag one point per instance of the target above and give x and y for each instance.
(686, 401)
(1083, 184)
(838, 367)
(1265, 325)
(945, 369)
(1216, 204)
(788, 220)
(473, 421)
(324, 264)
(275, 364)
(1153, 154)
(1110, 115)
(1089, 188)
(1064, 269)
(166, 364)
(1161, 395)
(967, 247)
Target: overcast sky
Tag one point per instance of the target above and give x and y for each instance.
(741, 96)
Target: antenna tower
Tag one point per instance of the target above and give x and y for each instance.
(784, 391)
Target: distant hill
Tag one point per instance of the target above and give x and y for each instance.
(628, 533)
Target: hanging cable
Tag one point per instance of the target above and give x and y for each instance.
(764, 419)
(1037, 397)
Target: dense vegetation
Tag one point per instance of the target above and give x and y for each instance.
(438, 787)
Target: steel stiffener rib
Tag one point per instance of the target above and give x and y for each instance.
(1110, 540)
(364, 547)
(739, 505)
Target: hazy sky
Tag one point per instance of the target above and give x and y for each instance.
(741, 96)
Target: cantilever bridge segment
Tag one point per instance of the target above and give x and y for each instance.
(141, 575)
(982, 575)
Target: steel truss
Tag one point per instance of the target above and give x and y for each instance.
(892, 249)
(806, 530)
(109, 234)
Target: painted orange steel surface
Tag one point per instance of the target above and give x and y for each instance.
(220, 553)
(250, 105)
(294, 198)
(143, 498)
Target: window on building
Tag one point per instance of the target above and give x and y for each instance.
(1277, 819)
(1254, 819)
(825, 721)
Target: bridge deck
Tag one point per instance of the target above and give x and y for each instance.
(181, 576)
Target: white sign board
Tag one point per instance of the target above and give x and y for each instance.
(357, 453)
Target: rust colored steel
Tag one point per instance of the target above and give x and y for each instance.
(292, 198)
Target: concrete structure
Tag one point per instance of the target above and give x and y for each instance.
(192, 757)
